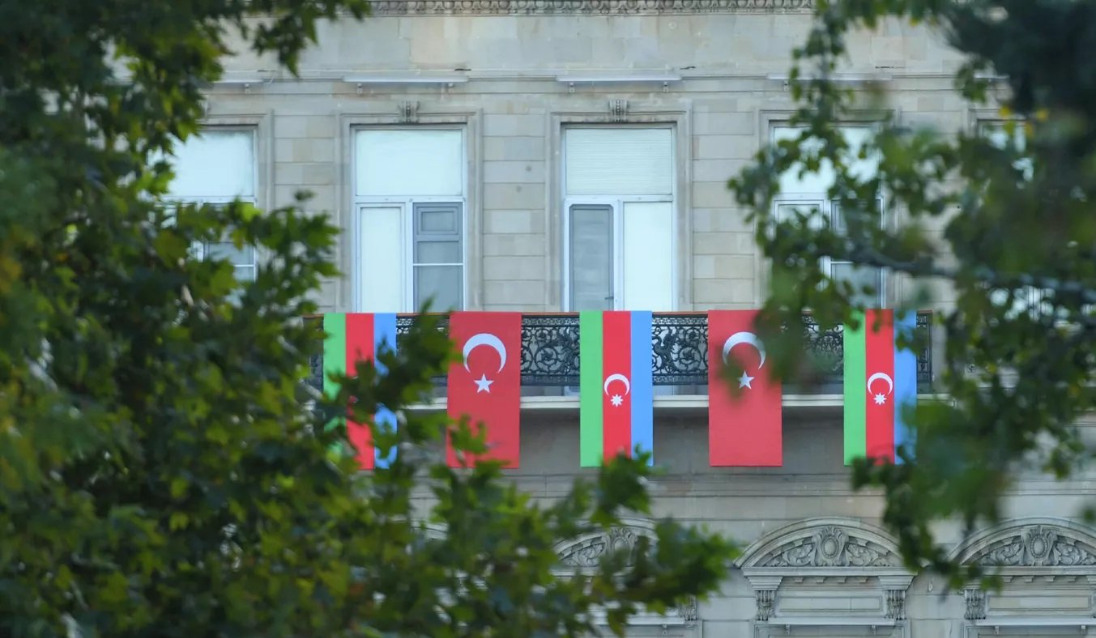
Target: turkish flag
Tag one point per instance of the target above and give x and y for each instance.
(744, 428)
(485, 385)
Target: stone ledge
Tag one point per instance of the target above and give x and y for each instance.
(581, 7)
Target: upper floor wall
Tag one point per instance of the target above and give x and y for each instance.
(521, 100)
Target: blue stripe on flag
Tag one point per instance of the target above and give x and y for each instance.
(905, 382)
(384, 333)
(643, 434)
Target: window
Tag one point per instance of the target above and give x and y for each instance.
(618, 218)
(217, 167)
(809, 193)
(409, 193)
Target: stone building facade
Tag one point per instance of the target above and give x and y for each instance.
(497, 153)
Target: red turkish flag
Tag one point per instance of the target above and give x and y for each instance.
(744, 429)
(486, 385)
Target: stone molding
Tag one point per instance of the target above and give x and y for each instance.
(580, 7)
(1050, 544)
(823, 543)
(587, 551)
(826, 552)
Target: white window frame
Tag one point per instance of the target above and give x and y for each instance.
(200, 250)
(406, 203)
(617, 202)
(803, 200)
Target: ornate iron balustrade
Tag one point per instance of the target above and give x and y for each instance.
(549, 350)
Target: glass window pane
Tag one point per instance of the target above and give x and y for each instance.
(442, 284)
(591, 255)
(245, 273)
(437, 252)
(437, 220)
(789, 211)
(860, 277)
(227, 250)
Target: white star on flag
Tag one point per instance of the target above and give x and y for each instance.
(745, 380)
(880, 399)
(483, 384)
(616, 400)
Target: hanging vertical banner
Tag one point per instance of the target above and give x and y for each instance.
(616, 389)
(880, 384)
(745, 429)
(352, 338)
(485, 385)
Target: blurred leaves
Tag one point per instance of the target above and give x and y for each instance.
(164, 471)
(1000, 224)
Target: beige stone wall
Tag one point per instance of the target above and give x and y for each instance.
(513, 105)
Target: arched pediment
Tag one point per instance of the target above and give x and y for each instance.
(825, 543)
(1031, 543)
(587, 550)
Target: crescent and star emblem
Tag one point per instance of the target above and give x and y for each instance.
(483, 384)
(617, 399)
(881, 398)
(750, 339)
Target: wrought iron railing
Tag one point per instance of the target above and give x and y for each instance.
(549, 351)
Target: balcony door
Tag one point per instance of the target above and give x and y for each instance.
(619, 218)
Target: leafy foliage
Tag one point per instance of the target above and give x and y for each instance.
(161, 473)
(1002, 224)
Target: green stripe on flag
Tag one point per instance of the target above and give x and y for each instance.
(334, 355)
(855, 355)
(590, 402)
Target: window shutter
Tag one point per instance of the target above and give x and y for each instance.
(215, 165)
(409, 163)
(619, 161)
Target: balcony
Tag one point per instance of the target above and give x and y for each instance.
(550, 357)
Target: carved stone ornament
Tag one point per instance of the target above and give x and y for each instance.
(1033, 543)
(896, 604)
(409, 112)
(580, 7)
(766, 599)
(688, 611)
(588, 552)
(830, 546)
(618, 110)
(975, 600)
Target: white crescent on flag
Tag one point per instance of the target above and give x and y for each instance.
(485, 339)
(617, 377)
(747, 338)
(884, 376)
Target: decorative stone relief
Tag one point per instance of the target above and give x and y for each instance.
(976, 604)
(688, 611)
(408, 112)
(584, 7)
(588, 552)
(830, 546)
(618, 110)
(1036, 546)
(766, 599)
(896, 604)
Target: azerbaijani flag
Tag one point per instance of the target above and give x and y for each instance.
(352, 338)
(616, 386)
(880, 384)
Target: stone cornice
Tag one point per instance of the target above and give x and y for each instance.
(581, 7)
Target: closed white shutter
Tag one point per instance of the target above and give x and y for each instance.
(409, 163)
(619, 161)
(381, 259)
(215, 165)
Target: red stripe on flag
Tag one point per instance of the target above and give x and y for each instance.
(616, 383)
(359, 347)
(744, 428)
(478, 388)
(879, 383)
